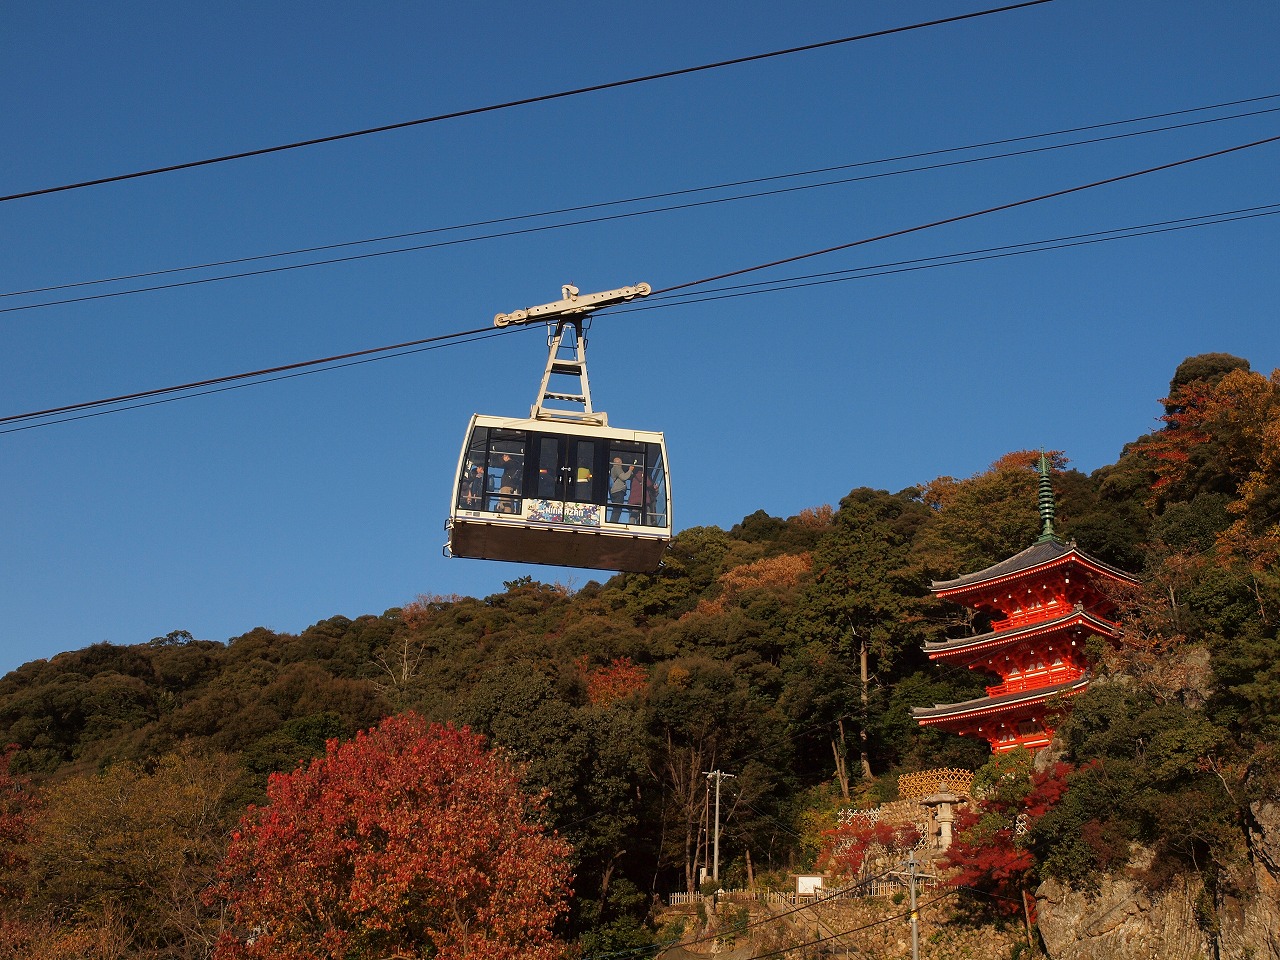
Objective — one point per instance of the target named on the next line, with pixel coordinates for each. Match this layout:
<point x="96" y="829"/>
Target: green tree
<point x="1146" y="774"/>
<point x="863" y="598"/>
<point x="136" y="846"/>
<point x="985" y="518"/>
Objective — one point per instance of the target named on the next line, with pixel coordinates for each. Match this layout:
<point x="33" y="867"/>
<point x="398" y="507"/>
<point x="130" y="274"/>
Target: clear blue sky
<point x="284" y="504"/>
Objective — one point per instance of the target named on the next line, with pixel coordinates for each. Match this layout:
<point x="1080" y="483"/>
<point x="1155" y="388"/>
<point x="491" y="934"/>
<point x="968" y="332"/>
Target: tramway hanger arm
<point x="564" y="381"/>
<point x="572" y="304"/>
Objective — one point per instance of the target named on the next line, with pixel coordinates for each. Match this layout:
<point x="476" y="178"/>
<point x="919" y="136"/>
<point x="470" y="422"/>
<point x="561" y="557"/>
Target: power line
<point x="125" y="398"/>
<point x="613" y="203"/>
<point x="214" y="381"/>
<point x="488" y="334"/>
<point x="947" y="260"/>
<point x="525" y="101"/>
<point x="723" y="293"/>
<point x="844" y="933"/>
<point x="969" y="216"/>
<point x="775" y="917"/>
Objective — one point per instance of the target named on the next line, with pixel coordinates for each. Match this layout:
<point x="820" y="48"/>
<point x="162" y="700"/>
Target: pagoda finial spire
<point x="1047" y="509"/>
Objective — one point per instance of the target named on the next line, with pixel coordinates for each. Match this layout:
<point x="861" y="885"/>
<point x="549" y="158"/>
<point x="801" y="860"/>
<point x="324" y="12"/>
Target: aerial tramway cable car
<point x="562" y="487"/>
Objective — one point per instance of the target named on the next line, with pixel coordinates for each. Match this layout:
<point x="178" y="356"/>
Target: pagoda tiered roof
<point x="1041" y="557"/>
<point x="1041" y="603"/>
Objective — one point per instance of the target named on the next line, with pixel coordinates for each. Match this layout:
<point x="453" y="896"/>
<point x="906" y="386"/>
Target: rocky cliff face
<point x="1121" y="920"/>
<point x="1250" y="925"/>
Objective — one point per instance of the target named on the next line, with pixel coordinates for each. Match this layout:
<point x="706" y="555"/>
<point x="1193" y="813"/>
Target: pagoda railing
<point x="1032" y="741"/>
<point x="1022" y="618"/>
<point x="1035" y="680"/>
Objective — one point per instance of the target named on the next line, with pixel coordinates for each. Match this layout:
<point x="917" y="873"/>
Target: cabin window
<point x="493" y="471"/>
<point x="566" y="468"/>
<point x="656" y="511"/>
<point x="506" y="470"/>
<point x="582" y="463"/>
<point x="625" y="477"/>
<point x="474" y="487"/>
<point x="625" y="487"/>
<point x="550" y="474"/>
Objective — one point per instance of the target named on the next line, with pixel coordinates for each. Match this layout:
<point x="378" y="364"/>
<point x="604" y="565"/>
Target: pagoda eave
<point x="944" y="713"/>
<point x="1000" y="639"/>
<point x="1039" y="607"/>
<point x="1032" y="563"/>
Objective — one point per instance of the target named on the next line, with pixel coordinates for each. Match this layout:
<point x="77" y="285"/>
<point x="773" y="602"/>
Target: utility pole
<point x="715" y="858"/>
<point x="911" y="865"/>
<point x="915" y="914"/>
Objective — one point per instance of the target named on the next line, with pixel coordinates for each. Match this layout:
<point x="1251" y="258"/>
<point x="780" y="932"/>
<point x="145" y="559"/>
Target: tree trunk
<point x="865" y="677"/>
<point x="842" y="766"/>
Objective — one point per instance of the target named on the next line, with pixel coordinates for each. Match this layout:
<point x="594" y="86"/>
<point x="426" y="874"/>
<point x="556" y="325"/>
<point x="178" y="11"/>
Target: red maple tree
<point x="851" y="848"/>
<point x="989" y="854"/>
<point x="17" y="808"/>
<point x="412" y="840"/>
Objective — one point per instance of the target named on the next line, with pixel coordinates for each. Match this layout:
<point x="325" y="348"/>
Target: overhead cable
<point x="946" y="260"/>
<point x="661" y="291"/>
<point x="599" y="205"/>
<point x="969" y="216"/>
<point x="773" y="918"/>
<point x="144" y="394"/>
<point x="525" y="101"/>
<point x="755" y="288"/>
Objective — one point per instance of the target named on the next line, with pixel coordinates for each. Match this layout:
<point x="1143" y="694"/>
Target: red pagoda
<point x="1044" y="603"/>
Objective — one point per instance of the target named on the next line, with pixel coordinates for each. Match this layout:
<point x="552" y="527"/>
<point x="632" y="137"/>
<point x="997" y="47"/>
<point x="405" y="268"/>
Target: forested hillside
<point x="745" y="653"/>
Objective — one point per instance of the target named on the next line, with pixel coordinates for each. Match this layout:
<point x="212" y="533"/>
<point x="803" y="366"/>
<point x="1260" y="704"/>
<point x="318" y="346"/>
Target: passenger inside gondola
<point x="473" y="486"/>
<point x="509" y="483"/>
<point x="619" y="477"/>
<point x="635" y="497"/>
<point x="656" y="512"/>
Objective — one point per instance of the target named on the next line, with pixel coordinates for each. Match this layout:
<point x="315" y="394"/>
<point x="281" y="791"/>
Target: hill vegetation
<point x="786" y="652"/>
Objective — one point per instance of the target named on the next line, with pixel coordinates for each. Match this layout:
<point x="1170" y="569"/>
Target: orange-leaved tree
<point x="412" y="840"/>
<point x="616" y="681"/>
<point x="17" y="805"/>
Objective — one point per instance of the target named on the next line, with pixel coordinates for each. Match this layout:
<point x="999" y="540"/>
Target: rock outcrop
<point x="1122" y="920"/>
<point x="1249" y="925"/>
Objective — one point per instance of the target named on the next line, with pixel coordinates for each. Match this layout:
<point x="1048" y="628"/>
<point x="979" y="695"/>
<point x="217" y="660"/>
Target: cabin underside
<point x="559" y="546"/>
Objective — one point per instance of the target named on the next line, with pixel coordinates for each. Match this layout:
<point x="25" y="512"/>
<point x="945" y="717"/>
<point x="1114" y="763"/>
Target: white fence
<point x="873" y="888"/>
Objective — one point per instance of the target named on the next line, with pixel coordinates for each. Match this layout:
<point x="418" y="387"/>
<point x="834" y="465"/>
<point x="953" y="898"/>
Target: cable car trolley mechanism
<point x="562" y="487"/>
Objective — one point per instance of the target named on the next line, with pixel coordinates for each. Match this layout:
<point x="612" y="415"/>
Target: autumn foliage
<point x="852" y="848"/>
<point x="412" y="840"/>
<point x="775" y="576"/>
<point x="744" y="653"/>
<point x="616" y="681"/>
<point x="990" y="852"/>
<point x="16" y="808"/>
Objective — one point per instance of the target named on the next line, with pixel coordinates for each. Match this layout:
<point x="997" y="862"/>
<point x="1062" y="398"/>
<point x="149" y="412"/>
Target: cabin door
<point x="566" y="475"/>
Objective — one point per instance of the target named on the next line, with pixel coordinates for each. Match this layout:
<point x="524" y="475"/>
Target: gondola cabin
<point x="562" y="487"/>
<point x="560" y="493"/>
